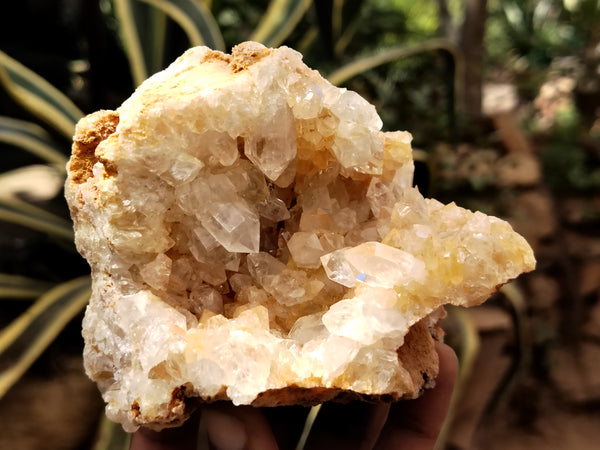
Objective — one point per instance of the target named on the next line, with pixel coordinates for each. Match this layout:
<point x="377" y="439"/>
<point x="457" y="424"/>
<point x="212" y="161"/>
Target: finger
<point x="416" y="424"/>
<point x="237" y="428"/>
<point x="181" y="438"/>
<point x="351" y="426"/>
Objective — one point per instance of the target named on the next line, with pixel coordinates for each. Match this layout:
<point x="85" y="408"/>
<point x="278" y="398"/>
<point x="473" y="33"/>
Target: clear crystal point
<point x="373" y="264"/>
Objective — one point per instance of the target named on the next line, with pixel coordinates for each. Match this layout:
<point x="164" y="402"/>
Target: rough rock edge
<point x="417" y="355"/>
<point x="89" y="133"/>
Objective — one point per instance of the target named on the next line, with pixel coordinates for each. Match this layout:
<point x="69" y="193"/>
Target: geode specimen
<point x="254" y="236"/>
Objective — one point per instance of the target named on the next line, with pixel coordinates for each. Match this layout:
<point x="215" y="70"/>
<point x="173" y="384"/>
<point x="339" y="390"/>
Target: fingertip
<point x="229" y="426"/>
<point x="225" y="431"/>
<point x="416" y="424"/>
<point x="180" y="438"/>
<point x="448" y="364"/>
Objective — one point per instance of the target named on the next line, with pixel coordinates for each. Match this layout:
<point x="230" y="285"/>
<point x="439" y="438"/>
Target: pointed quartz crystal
<point x="261" y="265"/>
<point x="235" y="226"/>
<point x="306" y="249"/>
<point x="273" y="147"/>
<point x="373" y="264"/>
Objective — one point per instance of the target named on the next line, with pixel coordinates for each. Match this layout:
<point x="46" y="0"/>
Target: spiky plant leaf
<point x="195" y="18"/>
<point x="279" y="21"/>
<point x="124" y="11"/>
<point x="515" y="299"/>
<point x="36" y="182"/>
<point x="22" y="213"/>
<point x="307" y="40"/>
<point x="111" y="436"/>
<point x="38" y="96"/>
<point x="361" y="65"/>
<point x="308" y="424"/>
<point x="150" y="29"/>
<point x="33" y="139"/>
<point x="337" y="18"/>
<point x="30" y="334"/>
<point x="19" y="287"/>
<point x="154" y="47"/>
<point x="468" y="345"/>
<point x="348" y="30"/>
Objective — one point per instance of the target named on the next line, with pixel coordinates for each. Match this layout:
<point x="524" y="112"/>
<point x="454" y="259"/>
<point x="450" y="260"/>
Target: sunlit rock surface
<point x="251" y="229"/>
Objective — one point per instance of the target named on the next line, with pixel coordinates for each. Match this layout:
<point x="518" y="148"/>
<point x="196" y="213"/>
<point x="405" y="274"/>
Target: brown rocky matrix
<point x="254" y="236"/>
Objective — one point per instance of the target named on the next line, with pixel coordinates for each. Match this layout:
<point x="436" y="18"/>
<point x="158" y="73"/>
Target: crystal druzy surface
<point x="250" y="228"/>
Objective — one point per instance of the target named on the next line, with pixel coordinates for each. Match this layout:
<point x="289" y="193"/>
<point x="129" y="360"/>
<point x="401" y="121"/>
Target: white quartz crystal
<point x="250" y="228"/>
<point x="373" y="264"/>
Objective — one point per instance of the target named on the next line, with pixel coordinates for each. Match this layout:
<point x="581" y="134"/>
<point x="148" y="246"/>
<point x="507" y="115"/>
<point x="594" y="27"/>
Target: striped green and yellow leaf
<point x="38" y="96"/>
<point x="195" y="18"/>
<point x="142" y="26"/>
<point x="363" y="64"/>
<point x="18" y="287"/>
<point x="24" y="340"/>
<point x="22" y="213"/>
<point x="308" y="424"/>
<point x="279" y="21"/>
<point x="143" y="32"/>
<point x="33" y="139"/>
<point x="33" y="183"/>
<point x="129" y="29"/>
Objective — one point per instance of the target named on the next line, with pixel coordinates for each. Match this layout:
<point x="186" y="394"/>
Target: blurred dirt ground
<point x="535" y="383"/>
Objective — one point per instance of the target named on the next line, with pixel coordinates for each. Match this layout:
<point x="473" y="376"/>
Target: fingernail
<point x="225" y="432"/>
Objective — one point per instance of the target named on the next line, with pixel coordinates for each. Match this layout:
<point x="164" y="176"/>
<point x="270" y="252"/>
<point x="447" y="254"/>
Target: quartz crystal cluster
<point x="251" y="230"/>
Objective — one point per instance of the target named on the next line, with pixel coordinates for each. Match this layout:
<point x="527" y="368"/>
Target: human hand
<point x="408" y="424"/>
